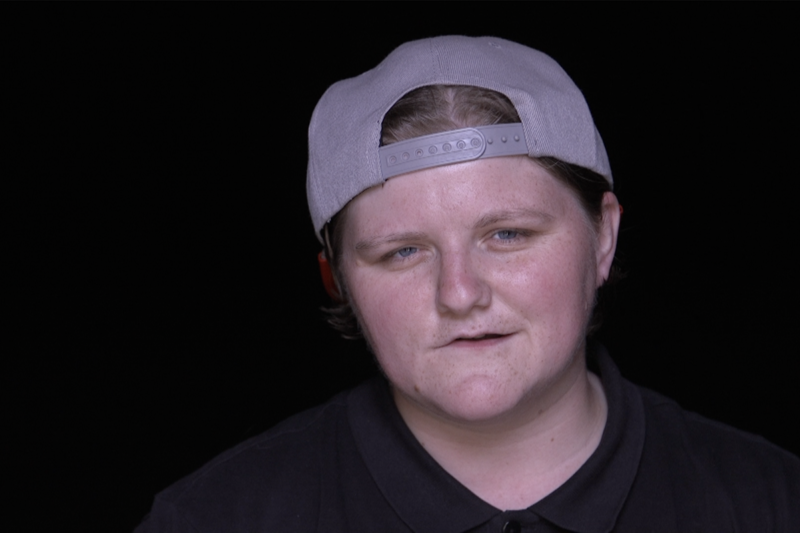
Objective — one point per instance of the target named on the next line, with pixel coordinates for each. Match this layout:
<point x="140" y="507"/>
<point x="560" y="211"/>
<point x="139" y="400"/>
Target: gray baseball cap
<point x="345" y="157"/>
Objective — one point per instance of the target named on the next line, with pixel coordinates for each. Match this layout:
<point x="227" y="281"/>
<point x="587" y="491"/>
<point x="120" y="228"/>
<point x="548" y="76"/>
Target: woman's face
<point x="474" y="284"/>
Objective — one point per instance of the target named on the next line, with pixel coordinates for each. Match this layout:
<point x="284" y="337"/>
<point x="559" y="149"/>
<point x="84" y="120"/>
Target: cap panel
<point x="344" y="134"/>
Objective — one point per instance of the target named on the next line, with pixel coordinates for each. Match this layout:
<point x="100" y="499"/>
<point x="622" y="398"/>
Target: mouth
<point x="481" y="337"/>
<point x="479" y="340"/>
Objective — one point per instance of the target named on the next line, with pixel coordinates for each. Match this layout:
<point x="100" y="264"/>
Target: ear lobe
<point x="607" y="236"/>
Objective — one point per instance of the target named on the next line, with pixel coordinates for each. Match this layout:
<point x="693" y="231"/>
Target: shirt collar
<point x="422" y="493"/>
<point x="590" y="501"/>
<point x="427" y="498"/>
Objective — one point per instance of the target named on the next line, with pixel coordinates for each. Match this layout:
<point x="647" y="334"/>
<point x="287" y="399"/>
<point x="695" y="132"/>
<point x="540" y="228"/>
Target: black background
<point x="170" y="286"/>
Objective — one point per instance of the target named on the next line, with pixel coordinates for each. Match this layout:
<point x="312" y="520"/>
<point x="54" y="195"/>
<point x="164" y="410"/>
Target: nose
<point x="461" y="286"/>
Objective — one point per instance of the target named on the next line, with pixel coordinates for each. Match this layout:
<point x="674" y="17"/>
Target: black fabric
<point x="353" y="465"/>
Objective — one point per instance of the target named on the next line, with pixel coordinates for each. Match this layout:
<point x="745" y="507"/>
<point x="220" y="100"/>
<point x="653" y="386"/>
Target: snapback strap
<point x="452" y="147"/>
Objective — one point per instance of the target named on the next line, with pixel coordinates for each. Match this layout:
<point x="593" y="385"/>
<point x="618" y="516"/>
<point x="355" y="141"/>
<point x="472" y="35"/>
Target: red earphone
<point x="327" y="278"/>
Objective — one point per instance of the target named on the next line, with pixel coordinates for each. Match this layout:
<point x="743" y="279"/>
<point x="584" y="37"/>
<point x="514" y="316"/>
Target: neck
<point x="515" y="460"/>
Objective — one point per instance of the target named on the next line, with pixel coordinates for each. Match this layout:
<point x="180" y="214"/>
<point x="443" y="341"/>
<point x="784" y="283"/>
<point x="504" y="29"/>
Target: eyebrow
<point x="369" y="244"/>
<point x="486" y="220"/>
<point x="511" y="214"/>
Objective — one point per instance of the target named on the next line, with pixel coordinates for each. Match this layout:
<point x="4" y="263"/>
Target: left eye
<point x="507" y="234"/>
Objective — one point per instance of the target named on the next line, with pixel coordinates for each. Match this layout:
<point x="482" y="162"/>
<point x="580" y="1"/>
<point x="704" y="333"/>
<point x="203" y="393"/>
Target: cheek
<point x="553" y="286"/>
<point x="390" y="330"/>
<point x="388" y="310"/>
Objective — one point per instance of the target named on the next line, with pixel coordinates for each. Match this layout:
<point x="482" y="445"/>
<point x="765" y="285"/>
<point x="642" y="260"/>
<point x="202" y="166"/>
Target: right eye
<point x="406" y="252"/>
<point x="507" y="234"/>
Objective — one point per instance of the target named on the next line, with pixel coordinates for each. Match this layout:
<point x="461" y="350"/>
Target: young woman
<point x="464" y="200"/>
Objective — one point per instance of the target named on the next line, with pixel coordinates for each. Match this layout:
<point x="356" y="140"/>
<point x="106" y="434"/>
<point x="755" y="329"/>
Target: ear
<point x="328" y="279"/>
<point x="607" y="236"/>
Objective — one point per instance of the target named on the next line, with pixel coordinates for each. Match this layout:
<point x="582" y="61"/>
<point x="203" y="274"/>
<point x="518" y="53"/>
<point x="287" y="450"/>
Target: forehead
<point x="465" y="194"/>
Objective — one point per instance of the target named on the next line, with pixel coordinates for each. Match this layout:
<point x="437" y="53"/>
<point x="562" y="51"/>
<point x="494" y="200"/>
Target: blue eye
<point x="407" y="251"/>
<point x="507" y="234"/>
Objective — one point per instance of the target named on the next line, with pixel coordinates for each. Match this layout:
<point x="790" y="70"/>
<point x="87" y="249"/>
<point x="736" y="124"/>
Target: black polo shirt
<point x="352" y="465"/>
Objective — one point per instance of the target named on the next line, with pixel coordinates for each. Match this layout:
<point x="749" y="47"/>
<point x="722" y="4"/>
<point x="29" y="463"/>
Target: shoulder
<point x="725" y="471"/>
<point x="697" y="433"/>
<point x="275" y="471"/>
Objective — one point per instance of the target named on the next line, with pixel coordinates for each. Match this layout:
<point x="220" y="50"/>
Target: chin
<point x="480" y="400"/>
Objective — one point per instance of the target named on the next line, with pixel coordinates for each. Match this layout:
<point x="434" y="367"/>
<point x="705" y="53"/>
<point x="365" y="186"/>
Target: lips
<point x="483" y="339"/>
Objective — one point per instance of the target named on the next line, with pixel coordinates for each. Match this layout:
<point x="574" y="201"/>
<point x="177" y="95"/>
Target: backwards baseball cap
<point x="345" y="157"/>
